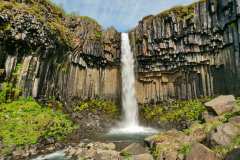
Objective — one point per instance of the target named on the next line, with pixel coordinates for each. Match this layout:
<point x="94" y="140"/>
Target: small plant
<point x="185" y="149"/>
<point x="95" y="105"/>
<point x="190" y="110"/>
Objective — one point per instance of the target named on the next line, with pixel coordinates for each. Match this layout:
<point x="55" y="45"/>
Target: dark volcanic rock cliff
<point x="182" y="53"/>
<point x="48" y="54"/>
<point x="188" y="52"/>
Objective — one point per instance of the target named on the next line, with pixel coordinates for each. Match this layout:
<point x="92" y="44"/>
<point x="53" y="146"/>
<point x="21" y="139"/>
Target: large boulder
<point x="201" y="152"/>
<point x="224" y="134"/>
<point x="166" y="145"/>
<point x="97" y="150"/>
<point x="233" y="155"/>
<point x="134" y="149"/>
<point x="221" y="104"/>
<point x="145" y="156"/>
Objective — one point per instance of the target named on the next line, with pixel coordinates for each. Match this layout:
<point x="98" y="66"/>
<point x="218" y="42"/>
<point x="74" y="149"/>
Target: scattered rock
<point x="221" y="104"/>
<point x="201" y="152"/>
<point x="233" y="155"/>
<point x="224" y="134"/>
<point x="167" y="144"/>
<point x="134" y="149"/>
<point x="97" y="150"/>
<point x="145" y="156"/>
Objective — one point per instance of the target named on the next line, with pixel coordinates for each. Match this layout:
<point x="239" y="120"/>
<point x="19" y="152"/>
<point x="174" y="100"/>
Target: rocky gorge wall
<point x="188" y="52"/>
<point x="182" y="53"/>
<point x="48" y="54"/>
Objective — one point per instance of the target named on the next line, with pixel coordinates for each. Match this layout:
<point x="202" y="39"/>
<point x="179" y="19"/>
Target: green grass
<point x="24" y="121"/>
<point x="190" y="110"/>
<point x="98" y="105"/>
<point x="55" y="21"/>
<point x="185" y="149"/>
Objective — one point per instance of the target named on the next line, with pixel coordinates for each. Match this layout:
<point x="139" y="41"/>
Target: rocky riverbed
<point x="215" y="138"/>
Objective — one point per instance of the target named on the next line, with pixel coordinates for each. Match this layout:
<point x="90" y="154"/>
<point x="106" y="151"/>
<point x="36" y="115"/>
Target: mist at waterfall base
<point x="130" y="123"/>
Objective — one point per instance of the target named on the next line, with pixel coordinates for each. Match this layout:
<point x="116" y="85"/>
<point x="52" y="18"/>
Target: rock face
<point x="188" y="52"/>
<point x="48" y="65"/>
<point x="182" y="53"/>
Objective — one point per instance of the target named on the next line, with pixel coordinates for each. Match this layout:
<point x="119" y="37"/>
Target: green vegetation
<point x="48" y="13"/>
<point x="223" y="150"/>
<point x="182" y="12"/>
<point x="98" y="34"/>
<point x="24" y="121"/>
<point x="98" y="105"/>
<point x="185" y="149"/>
<point x="9" y="93"/>
<point x="180" y="110"/>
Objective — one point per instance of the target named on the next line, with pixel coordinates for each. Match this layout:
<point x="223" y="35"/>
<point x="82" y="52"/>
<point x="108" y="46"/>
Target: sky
<point x="122" y="14"/>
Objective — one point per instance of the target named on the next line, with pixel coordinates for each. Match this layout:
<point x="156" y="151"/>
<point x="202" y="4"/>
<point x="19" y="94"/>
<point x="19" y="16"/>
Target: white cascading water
<point x="130" y="123"/>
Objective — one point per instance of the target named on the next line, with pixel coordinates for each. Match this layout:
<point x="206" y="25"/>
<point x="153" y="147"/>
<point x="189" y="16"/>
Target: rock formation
<point x="182" y="53"/>
<point x="188" y="52"/>
<point x="66" y="57"/>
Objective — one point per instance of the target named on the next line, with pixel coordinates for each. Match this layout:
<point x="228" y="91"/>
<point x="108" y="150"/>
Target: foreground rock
<point x="201" y="152"/>
<point x="166" y="145"/>
<point x="221" y="104"/>
<point x="225" y="133"/>
<point x="99" y="151"/>
<point x="233" y="155"/>
<point x="107" y="151"/>
<point x="134" y="149"/>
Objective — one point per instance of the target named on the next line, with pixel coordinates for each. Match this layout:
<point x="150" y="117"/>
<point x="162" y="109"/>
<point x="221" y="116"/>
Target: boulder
<point x="224" y="134"/>
<point x="221" y="104"/>
<point x="145" y="156"/>
<point x="134" y="149"/>
<point x="233" y="155"/>
<point x="168" y="144"/>
<point x="201" y="152"/>
<point x="96" y="150"/>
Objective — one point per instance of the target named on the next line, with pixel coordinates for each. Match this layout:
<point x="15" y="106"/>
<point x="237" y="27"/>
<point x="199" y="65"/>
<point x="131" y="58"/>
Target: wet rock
<point x="199" y="151"/>
<point x="221" y="104"/>
<point x="96" y="150"/>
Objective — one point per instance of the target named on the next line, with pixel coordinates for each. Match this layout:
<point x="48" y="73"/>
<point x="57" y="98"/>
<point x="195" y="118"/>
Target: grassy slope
<point x="24" y="121"/>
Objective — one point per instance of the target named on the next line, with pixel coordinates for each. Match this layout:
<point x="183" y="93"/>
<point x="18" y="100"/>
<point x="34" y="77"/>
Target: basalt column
<point x="188" y="52"/>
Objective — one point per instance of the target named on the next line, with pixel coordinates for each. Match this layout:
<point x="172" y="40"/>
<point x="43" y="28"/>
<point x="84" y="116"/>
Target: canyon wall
<point x="188" y="52"/>
<point x="182" y="53"/>
<point x="64" y="57"/>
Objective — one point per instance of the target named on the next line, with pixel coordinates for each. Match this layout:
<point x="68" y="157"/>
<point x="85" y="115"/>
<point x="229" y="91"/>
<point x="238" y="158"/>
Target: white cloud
<point x="123" y="14"/>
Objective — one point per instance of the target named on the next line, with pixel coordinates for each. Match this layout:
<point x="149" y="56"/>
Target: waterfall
<point x="130" y="122"/>
<point x="129" y="101"/>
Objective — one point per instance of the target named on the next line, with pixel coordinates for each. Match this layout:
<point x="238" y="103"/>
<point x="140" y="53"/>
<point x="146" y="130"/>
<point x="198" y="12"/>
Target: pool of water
<point x="59" y="155"/>
<point x="120" y="140"/>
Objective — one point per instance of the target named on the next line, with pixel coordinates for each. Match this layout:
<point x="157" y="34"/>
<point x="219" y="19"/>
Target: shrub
<point x="24" y="121"/>
<point x="190" y="110"/>
<point x="98" y="105"/>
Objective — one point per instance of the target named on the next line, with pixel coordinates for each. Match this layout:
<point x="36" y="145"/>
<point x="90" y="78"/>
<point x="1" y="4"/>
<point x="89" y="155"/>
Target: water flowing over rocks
<point x="188" y="52"/>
